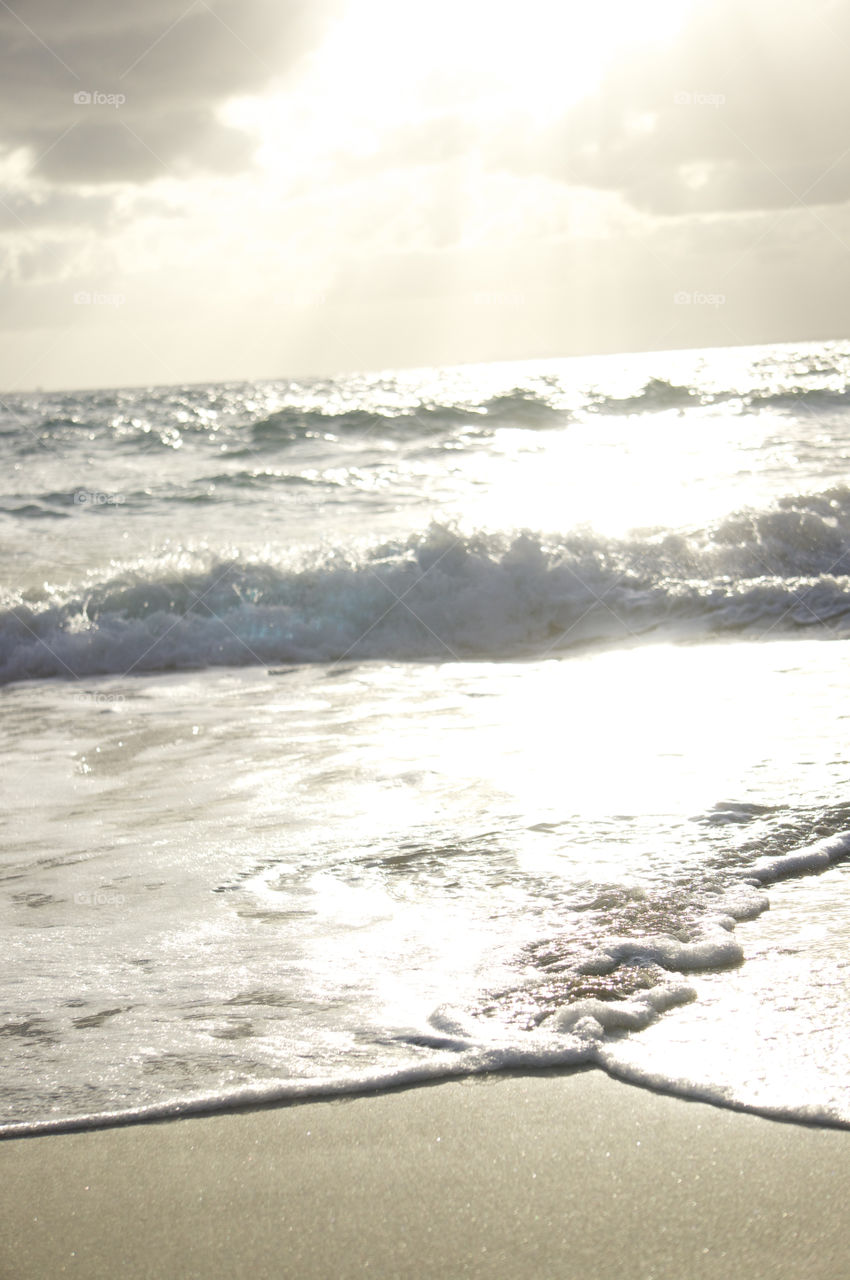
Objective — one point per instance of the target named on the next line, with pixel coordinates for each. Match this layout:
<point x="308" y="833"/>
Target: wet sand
<point x="523" y="1176"/>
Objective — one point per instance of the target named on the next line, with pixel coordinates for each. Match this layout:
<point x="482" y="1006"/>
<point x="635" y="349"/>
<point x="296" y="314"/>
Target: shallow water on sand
<point x="237" y="880"/>
<point x="406" y="725"/>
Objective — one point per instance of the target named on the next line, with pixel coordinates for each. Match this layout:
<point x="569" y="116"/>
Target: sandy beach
<point x="532" y="1176"/>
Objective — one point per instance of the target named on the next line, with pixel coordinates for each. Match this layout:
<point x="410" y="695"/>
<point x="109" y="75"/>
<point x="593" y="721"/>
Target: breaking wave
<point x="446" y="595"/>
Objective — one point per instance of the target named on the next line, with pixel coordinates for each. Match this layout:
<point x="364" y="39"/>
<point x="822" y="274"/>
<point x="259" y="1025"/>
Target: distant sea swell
<point x="227" y="415"/>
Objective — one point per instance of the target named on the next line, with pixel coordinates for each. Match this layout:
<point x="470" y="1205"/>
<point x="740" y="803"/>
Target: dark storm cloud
<point x="747" y="110"/>
<point x="99" y="91"/>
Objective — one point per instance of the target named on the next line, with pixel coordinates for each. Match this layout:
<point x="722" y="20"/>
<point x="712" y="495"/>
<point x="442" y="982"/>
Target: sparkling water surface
<point x="392" y="727"/>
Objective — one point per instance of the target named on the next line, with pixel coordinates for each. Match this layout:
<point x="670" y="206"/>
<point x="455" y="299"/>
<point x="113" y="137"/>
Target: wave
<point x="222" y="486"/>
<point x="171" y="420"/>
<point x="796" y="398"/>
<point x="585" y="1031"/>
<point x="516" y="408"/>
<point x="36" y="510"/>
<point x="166" y="419"/>
<point x="251" y="480"/>
<point x="659" y="396"/>
<point x="656" y="396"/>
<point x="446" y="595"/>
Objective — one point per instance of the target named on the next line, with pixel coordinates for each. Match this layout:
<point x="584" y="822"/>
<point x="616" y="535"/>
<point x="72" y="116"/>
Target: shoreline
<point x="537" y="1175"/>
<point x="200" y="1109"/>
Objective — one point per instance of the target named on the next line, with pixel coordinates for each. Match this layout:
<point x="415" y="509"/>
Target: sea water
<point x="399" y="726"/>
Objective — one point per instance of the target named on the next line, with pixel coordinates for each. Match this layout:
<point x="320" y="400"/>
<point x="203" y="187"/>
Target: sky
<point x="237" y="189"/>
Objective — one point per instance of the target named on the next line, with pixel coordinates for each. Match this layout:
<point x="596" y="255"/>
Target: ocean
<point x="400" y="726"/>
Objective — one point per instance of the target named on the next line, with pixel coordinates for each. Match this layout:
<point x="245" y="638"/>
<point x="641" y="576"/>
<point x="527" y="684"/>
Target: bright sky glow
<point x="388" y="67"/>
<point x="406" y="185"/>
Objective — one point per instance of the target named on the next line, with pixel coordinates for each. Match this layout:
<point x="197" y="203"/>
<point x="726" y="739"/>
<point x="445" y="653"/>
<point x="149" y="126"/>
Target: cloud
<point x="746" y="111"/>
<point x="55" y="209"/>
<point x="99" y="92"/>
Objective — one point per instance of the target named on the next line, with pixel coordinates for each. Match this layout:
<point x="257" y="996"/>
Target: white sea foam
<point x="441" y="594"/>
<point x="813" y="858"/>
<point x="226" y="890"/>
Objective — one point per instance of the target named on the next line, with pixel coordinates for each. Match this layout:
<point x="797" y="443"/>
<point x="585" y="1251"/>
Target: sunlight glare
<point x="387" y="69"/>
